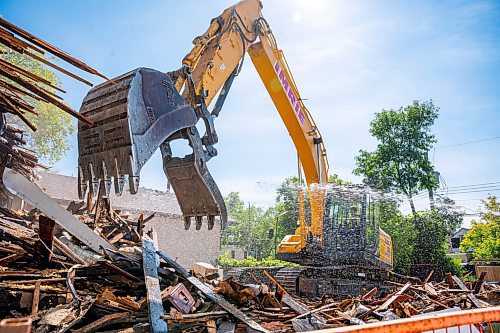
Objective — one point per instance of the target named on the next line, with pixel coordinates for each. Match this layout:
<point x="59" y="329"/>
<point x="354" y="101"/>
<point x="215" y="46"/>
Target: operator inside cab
<point x="354" y="218"/>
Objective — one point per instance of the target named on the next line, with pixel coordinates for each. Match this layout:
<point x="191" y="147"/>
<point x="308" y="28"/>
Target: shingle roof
<point x="62" y="187"/>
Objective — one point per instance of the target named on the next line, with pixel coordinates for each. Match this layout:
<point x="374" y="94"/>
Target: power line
<point x="469" y="142"/>
<point x="464" y="192"/>
<point x="474" y="185"/>
<point x="484" y="187"/>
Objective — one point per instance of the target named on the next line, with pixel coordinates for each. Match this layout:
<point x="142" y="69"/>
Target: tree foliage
<point x="403" y="234"/>
<point x="425" y="242"/>
<point x="431" y="245"/>
<point x="54" y="126"/>
<point x="262" y="225"/>
<point x="225" y="261"/>
<point x="400" y="162"/>
<point x="484" y="237"/>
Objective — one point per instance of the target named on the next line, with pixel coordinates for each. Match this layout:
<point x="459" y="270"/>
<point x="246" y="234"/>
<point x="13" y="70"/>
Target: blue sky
<point x="349" y="59"/>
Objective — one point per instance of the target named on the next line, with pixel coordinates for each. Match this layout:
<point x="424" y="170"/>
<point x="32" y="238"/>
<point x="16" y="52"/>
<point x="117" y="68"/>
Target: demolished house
<point x="109" y="266"/>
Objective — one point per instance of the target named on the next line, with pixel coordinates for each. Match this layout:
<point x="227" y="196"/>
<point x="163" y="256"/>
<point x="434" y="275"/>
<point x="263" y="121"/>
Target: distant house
<point x="456" y="238"/>
<point x="188" y="246"/>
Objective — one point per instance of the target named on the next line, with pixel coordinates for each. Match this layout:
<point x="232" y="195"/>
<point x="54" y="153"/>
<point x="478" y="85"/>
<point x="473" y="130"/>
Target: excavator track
<point x="336" y="281"/>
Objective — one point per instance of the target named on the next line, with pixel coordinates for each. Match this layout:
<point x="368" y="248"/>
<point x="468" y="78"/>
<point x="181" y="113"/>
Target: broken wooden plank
<point x="449" y="280"/>
<point x="470" y="296"/>
<point x="36" y="300"/>
<point x="370" y="293"/>
<point x="201" y="316"/>
<point x="105" y="321"/>
<point x="209" y="293"/>
<point x="324" y="307"/>
<point x="430" y="290"/>
<point x="32" y="194"/>
<point x="288" y="300"/>
<point x="428" y="277"/>
<point x="479" y="283"/>
<point x="68" y="252"/>
<point x="150" y="266"/>
<point x="44" y="246"/>
<point x="112" y="267"/>
<point x="387" y="303"/>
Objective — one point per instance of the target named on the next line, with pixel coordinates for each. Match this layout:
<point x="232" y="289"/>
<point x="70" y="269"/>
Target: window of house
<point x="233" y="255"/>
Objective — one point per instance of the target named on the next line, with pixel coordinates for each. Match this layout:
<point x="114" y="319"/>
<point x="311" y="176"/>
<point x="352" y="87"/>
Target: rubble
<point x="46" y="275"/>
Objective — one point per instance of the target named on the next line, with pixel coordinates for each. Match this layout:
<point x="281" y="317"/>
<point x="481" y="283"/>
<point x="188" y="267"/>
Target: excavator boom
<point x="144" y="110"/>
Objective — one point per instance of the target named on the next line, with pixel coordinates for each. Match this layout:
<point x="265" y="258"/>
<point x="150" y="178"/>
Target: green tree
<point x="432" y="241"/>
<point x="484" y="236"/>
<point x="425" y="244"/>
<point x="400" y="162"/>
<point x="54" y="126"/>
<point x="262" y="224"/>
<point x="403" y="234"/>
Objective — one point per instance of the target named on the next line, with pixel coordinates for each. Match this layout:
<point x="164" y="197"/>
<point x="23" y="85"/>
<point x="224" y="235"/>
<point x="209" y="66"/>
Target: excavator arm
<point x="153" y="109"/>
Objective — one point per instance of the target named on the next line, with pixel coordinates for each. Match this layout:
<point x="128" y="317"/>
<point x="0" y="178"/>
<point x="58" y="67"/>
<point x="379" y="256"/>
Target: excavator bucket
<point x="133" y="116"/>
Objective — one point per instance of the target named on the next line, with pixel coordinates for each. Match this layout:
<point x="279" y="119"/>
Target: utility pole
<point x="275" y="234"/>
<point x="249" y="236"/>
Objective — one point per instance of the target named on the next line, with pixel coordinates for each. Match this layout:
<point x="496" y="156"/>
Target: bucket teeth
<point x="211" y="222"/>
<point x="187" y="222"/>
<point x="118" y="179"/>
<point x="194" y="187"/>
<point x="199" y="221"/>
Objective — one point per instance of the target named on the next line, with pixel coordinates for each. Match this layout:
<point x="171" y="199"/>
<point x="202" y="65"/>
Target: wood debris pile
<point x="64" y="286"/>
<point x="21" y="89"/>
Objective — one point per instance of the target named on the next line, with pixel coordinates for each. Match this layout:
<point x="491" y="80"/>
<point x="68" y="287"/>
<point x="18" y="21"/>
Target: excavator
<point x="341" y="249"/>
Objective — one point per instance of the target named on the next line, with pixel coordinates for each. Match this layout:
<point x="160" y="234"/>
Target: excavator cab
<point x="134" y="115"/>
<point x="351" y="232"/>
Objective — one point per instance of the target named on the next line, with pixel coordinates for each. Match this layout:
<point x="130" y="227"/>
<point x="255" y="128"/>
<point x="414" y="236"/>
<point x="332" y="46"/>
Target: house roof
<point x="460" y="232"/>
<point x="62" y="187"/>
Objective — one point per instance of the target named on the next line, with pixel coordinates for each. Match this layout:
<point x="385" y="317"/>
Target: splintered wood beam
<point x="36" y="300"/>
<point x="48" y="47"/>
<point x="68" y="252"/>
<point x="42" y="93"/>
<point x="13" y="88"/>
<point x="472" y="298"/>
<point x="13" y="109"/>
<point x="29" y="75"/>
<point x="479" y="283"/>
<point x="32" y="194"/>
<point x="387" y="303"/>
<point x="60" y="69"/>
<point x="150" y="263"/>
<point x="44" y="246"/>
